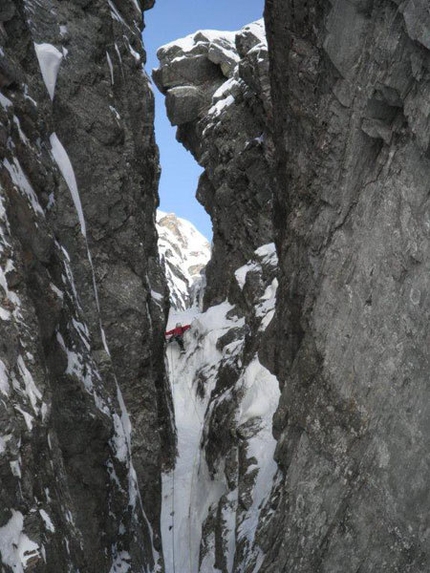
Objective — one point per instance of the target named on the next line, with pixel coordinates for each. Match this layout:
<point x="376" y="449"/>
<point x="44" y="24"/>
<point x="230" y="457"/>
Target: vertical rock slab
<point x="350" y="92"/>
<point x="81" y="332"/>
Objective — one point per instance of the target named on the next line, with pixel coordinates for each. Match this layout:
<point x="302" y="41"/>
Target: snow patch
<point x="5" y="102"/>
<point x="109" y="61"/>
<point x="65" y="166"/>
<point x="47" y="521"/>
<point x="31" y="389"/>
<point x="17" y="550"/>
<point x="4" y="379"/>
<point x="20" y="180"/>
<point x="49" y="61"/>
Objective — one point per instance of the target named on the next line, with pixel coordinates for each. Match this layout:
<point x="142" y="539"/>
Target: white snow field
<point x="189" y="492"/>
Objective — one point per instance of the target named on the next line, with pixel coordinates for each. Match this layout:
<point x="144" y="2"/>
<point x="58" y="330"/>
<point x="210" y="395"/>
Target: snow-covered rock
<point x="224" y="400"/>
<point x="217" y="91"/>
<point x="184" y="253"/>
<point x="81" y="355"/>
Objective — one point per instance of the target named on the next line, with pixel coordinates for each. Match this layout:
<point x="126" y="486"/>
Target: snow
<point x="185" y="252"/>
<point x="29" y="98"/>
<point x="115" y="14"/>
<point x="188" y="43"/>
<point x="15" y="468"/>
<point x="197" y="490"/>
<point x="65" y="166"/>
<point x="266" y="308"/>
<point x="258" y="29"/>
<point x="190" y="493"/>
<point x="20" y="180"/>
<point x="121" y="563"/>
<point x="31" y="389"/>
<point x="115" y="112"/>
<point x="49" y="61"/>
<point x="260" y="401"/>
<point x="266" y="255"/>
<point x="15" y="547"/>
<point x="225" y="89"/>
<point x="135" y="54"/>
<point x="138" y="8"/>
<point x="4" y="101"/>
<point x="22" y="135"/>
<point x="220" y="105"/>
<point x="27" y="418"/>
<point x="4" y="379"/>
<point x="109" y="61"/>
<point x="47" y="521"/>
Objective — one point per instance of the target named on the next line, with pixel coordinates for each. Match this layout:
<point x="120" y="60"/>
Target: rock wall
<point x="350" y="91"/>
<point x="349" y="166"/>
<point x="82" y="336"/>
<point x="217" y="93"/>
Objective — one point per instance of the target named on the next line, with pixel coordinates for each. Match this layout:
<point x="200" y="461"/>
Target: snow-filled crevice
<point x="200" y="490"/>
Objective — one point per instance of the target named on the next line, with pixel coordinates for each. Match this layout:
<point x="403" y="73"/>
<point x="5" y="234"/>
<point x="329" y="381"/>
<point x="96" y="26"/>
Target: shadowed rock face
<point x="217" y="92"/>
<point x="350" y="91"/>
<point x="66" y="477"/>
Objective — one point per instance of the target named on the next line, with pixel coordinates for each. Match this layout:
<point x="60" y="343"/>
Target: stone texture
<point x="350" y="85"/>
<point x="64" y="443"/>
<point x="229" y="138"/>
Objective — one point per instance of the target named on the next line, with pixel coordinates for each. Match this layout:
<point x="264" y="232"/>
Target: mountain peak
<point x="184" y="253"/>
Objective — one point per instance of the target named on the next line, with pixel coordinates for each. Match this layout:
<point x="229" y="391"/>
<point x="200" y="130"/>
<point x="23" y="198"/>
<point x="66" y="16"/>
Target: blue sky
<point x="167" y="21"/>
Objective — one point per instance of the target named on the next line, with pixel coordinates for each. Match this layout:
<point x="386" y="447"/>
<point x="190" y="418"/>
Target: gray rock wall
<point x="67" y="479"/>
<point x="350" y="90"/>
<point x="217" y="93"/>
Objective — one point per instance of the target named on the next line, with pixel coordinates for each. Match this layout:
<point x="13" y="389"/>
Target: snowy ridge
<point x="208" y="483"/>
<point x="184" y="252"/>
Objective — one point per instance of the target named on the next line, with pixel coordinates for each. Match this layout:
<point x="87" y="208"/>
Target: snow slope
<point x="206" y="487"/>
<point x="184" y="253"/>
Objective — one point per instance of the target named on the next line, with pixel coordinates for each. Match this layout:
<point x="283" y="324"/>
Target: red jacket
<point x="178" y="330"/>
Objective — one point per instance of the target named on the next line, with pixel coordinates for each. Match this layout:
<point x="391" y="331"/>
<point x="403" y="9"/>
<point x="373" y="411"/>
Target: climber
<point x="177" y="334"/>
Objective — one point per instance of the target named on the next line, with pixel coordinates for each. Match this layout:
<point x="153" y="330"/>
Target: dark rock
<point x="224" y="131"/>
<point x="75" y="285"/>
<point x="351" y="170"/>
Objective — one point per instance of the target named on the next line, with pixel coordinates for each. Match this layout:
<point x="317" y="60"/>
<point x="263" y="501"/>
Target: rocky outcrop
<point x="350" y="122"/>
<point x="184" y="254"/>
<point x="350" y="89"/>
<point x="224" y="402"/>
<point x="217" y="92"/>
<point x="82" y="336"/>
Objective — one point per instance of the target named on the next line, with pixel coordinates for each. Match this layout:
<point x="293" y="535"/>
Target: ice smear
<point x="109" y="61"/>
<point x="115" y="14"/>
<point x="47" y="521"/>
<point x="15" y="547"/>
<point x="49" y="61"/>
<point x="27" y="418"/>
<point x="4" y="379"/>
<point x="135" y="54"/>
<point x="65" y="166"/>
